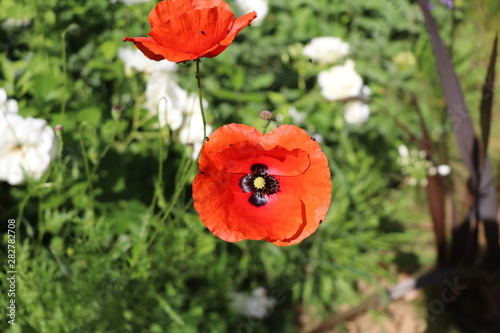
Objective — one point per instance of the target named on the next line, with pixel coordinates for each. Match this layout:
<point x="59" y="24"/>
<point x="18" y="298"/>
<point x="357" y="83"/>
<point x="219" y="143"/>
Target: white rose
<point x="191" y="132"/>
<point x="326" y="50"/>
<point x="137" y="60"/>
<point x="166" y="99"/>
<point x="193" y="104"/>
<point x="340" y="82"/>
<point x="356" y="112"/>
<point x="27" y="146"/>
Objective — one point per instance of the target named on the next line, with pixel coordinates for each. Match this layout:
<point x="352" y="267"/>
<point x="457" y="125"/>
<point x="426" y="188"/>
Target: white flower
<point x="365" y="92"/>
<point x="259" y="6"/>
<point x="297" y="117"/>
<point x="414" y="164"/>
<point x="27" y="146"/>
<point x="10" y="22"/>
<point x="193" y="104"/>
<point x="191" y="132"/>
<point x="326" y="50"/>
<point x="137" y="60"/>
<point x="443" y="169"/>
<point x="166" y="99"/>
<point x="7" y="105"/>
<point x="256" y="305"/>
<point x="356" y="112"/>
<point x="404" y="153"/>
<point x="340" y="82"/>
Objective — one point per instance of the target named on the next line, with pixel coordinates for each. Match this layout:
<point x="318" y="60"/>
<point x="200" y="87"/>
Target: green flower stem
<point x="200" y="94"/>
<point x="62" y="112"/>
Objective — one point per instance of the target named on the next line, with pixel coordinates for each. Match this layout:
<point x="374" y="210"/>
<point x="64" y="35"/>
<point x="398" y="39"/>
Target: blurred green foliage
<point x="102" y="245"/>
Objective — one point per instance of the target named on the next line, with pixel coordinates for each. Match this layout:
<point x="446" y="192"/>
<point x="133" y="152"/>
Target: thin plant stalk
<point x="200" y="94"/>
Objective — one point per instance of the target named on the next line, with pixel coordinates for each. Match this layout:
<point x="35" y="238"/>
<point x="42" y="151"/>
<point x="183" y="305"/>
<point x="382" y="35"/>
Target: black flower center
<point x="260" y="183"/>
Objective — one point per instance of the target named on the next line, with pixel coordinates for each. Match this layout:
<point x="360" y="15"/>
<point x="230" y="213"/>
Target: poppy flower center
<point x="260" y="183"/>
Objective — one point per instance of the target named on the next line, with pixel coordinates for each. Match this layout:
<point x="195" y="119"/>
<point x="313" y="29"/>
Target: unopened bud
<point x="116" y="112"/>
<point x="266" y="115"/>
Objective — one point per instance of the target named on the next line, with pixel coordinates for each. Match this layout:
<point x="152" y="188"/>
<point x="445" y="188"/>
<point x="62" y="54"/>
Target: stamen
<point x="260" y="184"/>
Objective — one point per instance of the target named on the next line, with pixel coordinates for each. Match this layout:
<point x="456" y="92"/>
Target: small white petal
<point x="356" y="112"/>
<point x="444" y="170"/>
<point x="403" y="151"/>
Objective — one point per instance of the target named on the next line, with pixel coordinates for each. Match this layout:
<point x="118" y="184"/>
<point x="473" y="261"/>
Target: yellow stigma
<point x="259" y="183"/>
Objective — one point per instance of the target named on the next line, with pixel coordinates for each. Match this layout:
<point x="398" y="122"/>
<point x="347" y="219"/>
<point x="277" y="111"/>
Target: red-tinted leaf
<point x="487" y="99"/>
<point x="435" y="200"/>
<point x="457" y="109"/>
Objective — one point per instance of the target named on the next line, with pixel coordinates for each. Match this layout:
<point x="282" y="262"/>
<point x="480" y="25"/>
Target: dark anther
<point x="313" y="138"/>
<point x="206" y="138"/>
<point x="310" y="60"/>
<point x="258" y="170"/>
<point x="257" y="199"/>
<point x="203" y="32"/>
<point x="246" y="183"/>
<point x="320" y="221"/>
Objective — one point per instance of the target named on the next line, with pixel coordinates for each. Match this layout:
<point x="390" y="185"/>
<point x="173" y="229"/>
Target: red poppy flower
<point x="183" y="30"/>
<point x="274" y="187"/>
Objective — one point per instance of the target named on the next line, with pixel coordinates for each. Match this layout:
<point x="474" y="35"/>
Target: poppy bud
<point x="266" y="115"/>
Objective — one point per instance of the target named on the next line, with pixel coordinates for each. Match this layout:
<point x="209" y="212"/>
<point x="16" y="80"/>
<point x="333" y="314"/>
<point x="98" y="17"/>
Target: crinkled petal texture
<point x="183" y="30"/>
<point x="293" y="158"/>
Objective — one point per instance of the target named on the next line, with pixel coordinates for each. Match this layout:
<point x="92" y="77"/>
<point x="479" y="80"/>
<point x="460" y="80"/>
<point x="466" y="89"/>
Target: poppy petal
<point x="167" y="10"/>
<point x="193" y="32"/>
<point x="185" y="30"/>
<point x="284" y="214"/>
<point x="230" y="216"/>
<point x="238" y="158"/>
<point x="239" y="24"/>
<point x="235" y="147"/>
<point x="148" y="46"/>
<point x="225" y="136"/>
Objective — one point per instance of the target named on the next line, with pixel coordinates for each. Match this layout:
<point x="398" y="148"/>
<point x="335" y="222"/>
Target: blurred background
<point x="107" y="239"/>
